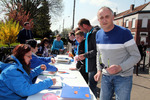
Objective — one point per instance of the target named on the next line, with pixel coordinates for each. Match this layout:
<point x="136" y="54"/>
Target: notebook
<point x="58" y="81"/>
<point x="47" y="73"/>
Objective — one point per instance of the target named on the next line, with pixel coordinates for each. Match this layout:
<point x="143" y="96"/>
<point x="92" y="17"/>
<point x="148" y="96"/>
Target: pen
<point x="81" y="62"/>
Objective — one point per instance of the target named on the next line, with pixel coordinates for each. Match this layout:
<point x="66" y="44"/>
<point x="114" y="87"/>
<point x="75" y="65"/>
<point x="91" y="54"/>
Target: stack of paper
<point x="63" y="59"/>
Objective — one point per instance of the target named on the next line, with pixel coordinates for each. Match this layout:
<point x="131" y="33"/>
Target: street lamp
<point x="73" y="14"/>
<point x="64" y="23"/>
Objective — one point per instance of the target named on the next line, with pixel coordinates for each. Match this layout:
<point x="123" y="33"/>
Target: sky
<point x="88" y="9"/>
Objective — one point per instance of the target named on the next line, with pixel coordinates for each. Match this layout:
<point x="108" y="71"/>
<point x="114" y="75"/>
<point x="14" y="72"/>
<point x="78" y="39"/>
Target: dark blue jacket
<point x="24" y="35"/>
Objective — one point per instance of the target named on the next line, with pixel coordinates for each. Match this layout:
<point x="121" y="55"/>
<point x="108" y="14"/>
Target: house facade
<point x="137" y="20"/>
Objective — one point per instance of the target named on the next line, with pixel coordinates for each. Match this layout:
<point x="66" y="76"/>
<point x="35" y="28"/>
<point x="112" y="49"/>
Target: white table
<point x="74" y="78"/>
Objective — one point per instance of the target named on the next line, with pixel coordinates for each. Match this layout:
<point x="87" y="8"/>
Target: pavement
<point x="141" y="83"/>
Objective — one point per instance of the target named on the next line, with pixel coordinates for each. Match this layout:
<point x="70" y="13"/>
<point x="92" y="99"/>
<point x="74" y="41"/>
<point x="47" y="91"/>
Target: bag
<point x="7" y="62"/>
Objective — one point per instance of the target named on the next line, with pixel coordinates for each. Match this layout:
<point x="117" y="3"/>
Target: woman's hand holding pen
<point x="53" y="60"/>
<point x="43" y="67"/>
<point x="54" y="81"/>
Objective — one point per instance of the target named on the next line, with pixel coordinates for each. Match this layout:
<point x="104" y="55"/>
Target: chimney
<point x="114" y="14"/>
<point x="132" y="7"/>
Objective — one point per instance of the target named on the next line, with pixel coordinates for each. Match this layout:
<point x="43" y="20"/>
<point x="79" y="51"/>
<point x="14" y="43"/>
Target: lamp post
<point x="73" y="14"/>
<point x="64" y="24"/>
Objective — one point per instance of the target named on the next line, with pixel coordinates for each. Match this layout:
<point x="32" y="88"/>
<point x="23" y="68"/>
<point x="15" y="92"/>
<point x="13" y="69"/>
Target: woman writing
<point x="16" y="77"/>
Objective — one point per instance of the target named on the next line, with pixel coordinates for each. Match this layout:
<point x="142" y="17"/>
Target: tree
<point x="42" y="26"/>
<point x="31" y="6"/>
<point x="55" y="8"/>
<point x="19" y="15"/>
<point x="65" y="32"/>
<point x="55" y="32"/>
<point x="9" y="31"/>
<point x="34" y="6"/>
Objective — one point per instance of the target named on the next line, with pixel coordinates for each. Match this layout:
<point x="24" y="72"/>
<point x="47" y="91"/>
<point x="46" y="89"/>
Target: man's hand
<point x="61" y="50"/>
<point x="72" y="68"/>
<point x="97" y="76"/>
<point x="53" y="60"/>
<point x="43" y="67"/>
<point x="76" y="58"/>
<point x="81" y="57"/>
<point x="114" y="69"/>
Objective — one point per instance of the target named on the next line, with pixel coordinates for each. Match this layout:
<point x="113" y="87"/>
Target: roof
<point x="128" y="12"/>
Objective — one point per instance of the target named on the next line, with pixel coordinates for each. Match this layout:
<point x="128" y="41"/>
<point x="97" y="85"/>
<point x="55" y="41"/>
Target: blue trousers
<point x="119" y="85"/>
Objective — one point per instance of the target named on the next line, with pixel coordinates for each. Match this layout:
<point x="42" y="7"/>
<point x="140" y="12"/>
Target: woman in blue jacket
<point x="37" y="60"/>
<point x="16" y="77"/>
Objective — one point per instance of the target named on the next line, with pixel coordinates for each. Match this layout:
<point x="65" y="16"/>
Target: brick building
<point x="137" y="20"/>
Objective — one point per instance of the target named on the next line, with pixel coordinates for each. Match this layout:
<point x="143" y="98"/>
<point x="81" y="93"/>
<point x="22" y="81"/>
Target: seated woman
<point x="43" y="48"/>
<point x="36" y="60"/>
<point x="16" y="77"/>
<point x="58" y="45"/>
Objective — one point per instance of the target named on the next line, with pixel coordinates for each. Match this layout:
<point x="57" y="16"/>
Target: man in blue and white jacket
<point x="117" y="53"/>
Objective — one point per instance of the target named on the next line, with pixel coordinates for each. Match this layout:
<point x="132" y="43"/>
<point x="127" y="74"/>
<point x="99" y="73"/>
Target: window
<point x="144" y="22"/>
<point x="133" y="23"/>
<point x="127" y="23"/>
<point x="143" y="36"/>
<point x="143" y="33"/>
<point x="133" y="34"/>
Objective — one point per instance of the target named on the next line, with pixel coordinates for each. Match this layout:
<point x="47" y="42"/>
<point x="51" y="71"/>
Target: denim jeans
<point x="92" y="83"/>
<point x="119" y="85"/>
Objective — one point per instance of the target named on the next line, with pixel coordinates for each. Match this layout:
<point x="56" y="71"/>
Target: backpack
<point x="7" y="62"/>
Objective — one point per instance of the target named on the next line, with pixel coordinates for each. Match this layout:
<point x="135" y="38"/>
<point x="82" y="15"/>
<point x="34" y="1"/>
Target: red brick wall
<point x="138" y="28"/>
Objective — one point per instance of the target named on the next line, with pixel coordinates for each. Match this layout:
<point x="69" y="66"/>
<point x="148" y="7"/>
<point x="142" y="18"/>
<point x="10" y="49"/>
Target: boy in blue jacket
<point x="36" y="60"/>
<point x="58" y="45"/>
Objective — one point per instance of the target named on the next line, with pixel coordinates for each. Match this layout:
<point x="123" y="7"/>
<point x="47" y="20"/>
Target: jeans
<point x="92" y="83"/>
<point x="120" y="85"/>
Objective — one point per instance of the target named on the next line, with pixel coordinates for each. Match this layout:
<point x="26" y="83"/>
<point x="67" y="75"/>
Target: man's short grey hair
<point x="107" y="8"/>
